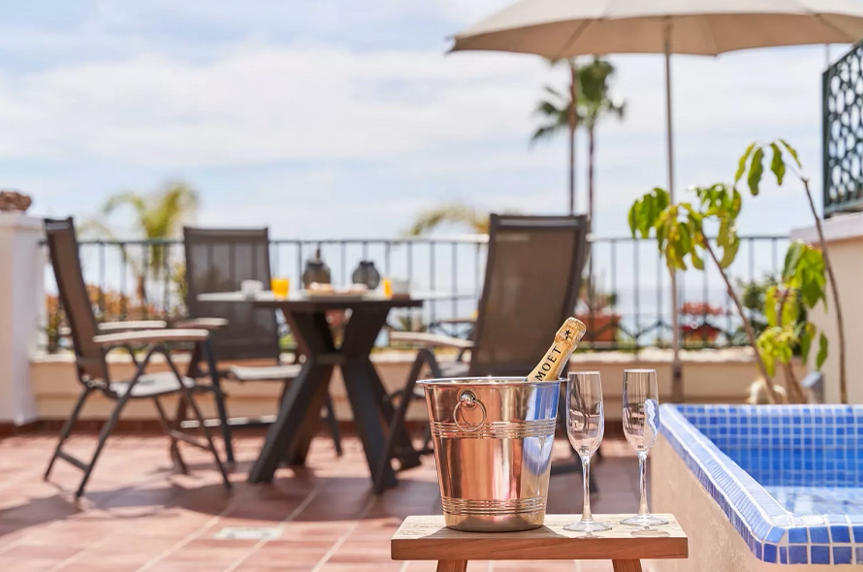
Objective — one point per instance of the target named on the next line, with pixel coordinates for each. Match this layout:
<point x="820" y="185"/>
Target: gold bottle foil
<point x="565" y="342"/>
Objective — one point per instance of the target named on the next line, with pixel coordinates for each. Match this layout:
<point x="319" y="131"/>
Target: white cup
<point x="401" y="287"/>
<point x="250" y="288"/>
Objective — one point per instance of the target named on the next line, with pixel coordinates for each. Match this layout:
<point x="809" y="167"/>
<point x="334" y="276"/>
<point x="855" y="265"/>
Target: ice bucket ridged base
<point x="492" y="439"/>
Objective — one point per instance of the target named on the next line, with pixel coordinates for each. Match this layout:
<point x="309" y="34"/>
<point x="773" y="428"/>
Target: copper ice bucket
<point x="492" y="441"/>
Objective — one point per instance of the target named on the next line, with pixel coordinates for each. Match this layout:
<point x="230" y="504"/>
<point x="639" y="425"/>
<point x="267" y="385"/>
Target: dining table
<point x="289" y="437"/>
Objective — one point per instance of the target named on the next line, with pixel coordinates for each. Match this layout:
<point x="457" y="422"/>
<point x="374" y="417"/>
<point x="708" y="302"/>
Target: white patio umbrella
<point x="557" y="29"/>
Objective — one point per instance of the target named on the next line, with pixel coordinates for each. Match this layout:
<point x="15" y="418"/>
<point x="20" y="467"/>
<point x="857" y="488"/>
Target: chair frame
<point x="137" y="334"/>
<point x="269" y="351"/>
<point x="426" y="357"/>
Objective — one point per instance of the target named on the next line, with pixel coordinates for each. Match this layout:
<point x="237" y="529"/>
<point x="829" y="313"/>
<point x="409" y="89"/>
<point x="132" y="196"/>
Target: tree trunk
<point x="834" y="289"/>
<point x="591" y="153"/>
<point x="573" y="125"/>
<point x="768" y="382"/>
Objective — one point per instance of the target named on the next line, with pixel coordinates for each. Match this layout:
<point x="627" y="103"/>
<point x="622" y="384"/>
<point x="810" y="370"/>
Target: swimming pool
<point x="788" y="478"/>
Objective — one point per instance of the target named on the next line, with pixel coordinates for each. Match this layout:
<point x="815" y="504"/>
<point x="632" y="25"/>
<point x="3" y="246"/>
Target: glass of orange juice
<point x="280" y="287"/>
<point x="388" y="287"/>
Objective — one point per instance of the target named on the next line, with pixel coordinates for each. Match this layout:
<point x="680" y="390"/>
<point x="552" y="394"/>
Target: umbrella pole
<point x="676" y="366"/>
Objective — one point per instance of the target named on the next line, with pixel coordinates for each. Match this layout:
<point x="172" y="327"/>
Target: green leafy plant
<point x="802" y="287"/>
<point x="785" y="160"/>
<point x="752" y="295"/>
<point x="680" y="235"/>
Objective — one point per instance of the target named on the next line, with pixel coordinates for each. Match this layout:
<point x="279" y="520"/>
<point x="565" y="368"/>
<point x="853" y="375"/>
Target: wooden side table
<point x="426" y="538"/>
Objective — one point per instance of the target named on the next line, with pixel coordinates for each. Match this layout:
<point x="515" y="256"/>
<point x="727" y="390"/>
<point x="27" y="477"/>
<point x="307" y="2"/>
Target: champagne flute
<point x="641" y="425"/>
<point x="584" y="427"/>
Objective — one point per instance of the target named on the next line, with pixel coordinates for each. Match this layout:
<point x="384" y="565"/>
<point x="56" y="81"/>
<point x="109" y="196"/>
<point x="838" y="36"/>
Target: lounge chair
<point x="219" y="260"/>
<point x="92" y="341"/>
<point x="531" y="286"/>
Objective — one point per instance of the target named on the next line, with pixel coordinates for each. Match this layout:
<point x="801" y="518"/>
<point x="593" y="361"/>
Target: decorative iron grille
<point x="843" y="133"/>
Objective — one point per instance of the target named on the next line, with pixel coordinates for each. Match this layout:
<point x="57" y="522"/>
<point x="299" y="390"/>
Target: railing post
<point x="22" y="308"/>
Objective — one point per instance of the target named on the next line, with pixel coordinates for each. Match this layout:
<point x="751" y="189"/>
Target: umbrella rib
<point x="826" y="23"/>
<point x="581" y="29"/>
<point x="573" y="38"/>
<point x="712" y="36"/>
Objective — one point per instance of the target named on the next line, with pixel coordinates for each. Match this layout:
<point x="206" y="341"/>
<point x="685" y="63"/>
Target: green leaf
<point x="756" y="169"/>
<point x="741" y="167"/>
<point x="792" y="151"/>
<point x="770" y="304"/>
<point x="730" y="251"/>
<point x="777" y="165"/>
<point x="792" y="259"/>
<point x="765" y="344"/>
<point x="697" y="261"/>
<point x="790" y="309"/>
<point x="822" y="351"/>
<point x="807" y="332"/>
<point x="633" y="214"/>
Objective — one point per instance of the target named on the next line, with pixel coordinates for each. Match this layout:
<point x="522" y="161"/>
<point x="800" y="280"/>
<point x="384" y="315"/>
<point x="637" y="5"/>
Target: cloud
<point x="264" y="104"/>
<point x="276" y="105"/>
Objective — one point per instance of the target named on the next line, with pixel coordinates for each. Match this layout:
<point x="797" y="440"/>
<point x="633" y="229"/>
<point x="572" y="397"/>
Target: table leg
<point x="365" y="389"/>
<point x="305" y="394"/>
<point x="314" y="340"/>
<point x="626" y="565"/>
<point x="298" y="446"/>
<point x="451" y="565"/>
<point x="367" y="414"/>
<point x="403" y="439"/>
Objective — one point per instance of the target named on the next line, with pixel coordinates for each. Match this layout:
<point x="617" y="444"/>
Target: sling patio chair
<point x="531" y="286"/>
<point x="219" y="260"/>
<point x="91" y="345"/>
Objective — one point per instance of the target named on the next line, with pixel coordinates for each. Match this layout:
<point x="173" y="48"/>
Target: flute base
<point x="644" y="521"/>
<point x="587" y="526"/>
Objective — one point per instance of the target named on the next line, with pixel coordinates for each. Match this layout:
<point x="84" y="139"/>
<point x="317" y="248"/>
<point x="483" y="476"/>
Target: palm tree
<point x="594" y="104"/>
<point x="559" y="114"/>
<point x="157" y="216"/>
<point x="457" y="213"/>
<point x="590" y="91"/>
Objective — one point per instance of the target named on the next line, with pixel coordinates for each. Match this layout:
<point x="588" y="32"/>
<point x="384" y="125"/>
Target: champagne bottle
<point x="565" y="342"/>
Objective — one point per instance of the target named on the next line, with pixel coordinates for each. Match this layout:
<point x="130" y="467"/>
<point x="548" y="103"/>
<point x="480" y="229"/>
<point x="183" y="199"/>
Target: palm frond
<point x="457" y="213"/>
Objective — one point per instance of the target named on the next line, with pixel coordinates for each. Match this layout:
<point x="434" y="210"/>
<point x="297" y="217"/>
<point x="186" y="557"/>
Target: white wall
<point x="22" y="306"/>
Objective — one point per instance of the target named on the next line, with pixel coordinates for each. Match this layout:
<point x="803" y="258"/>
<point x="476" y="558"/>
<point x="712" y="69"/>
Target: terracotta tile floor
<point x="139" y="516"/>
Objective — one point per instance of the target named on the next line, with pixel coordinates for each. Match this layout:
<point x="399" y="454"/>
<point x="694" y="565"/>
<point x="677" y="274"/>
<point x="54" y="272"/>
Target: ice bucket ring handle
<point x="468" y="399"/>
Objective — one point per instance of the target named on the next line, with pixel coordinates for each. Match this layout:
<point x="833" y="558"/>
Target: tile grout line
<point x="80" y="554"/>
<point x="187" y="539"/>
<point x="338" y="544"/>
<point x="291" y="516"/>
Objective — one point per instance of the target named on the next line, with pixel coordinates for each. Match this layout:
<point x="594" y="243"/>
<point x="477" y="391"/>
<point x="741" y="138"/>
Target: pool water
<point x="813" y="500"/>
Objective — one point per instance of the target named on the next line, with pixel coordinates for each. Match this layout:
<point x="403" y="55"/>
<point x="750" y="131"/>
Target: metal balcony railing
<point x="625" y="300"/>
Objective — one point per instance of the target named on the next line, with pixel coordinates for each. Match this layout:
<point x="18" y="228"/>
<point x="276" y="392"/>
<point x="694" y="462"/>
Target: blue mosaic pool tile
<point x="798" y="536"/>
<point x="840" y="534"/>
<point x="797" y="555"/>
<point x="769" y="553"/>
<point x="819" y="554"/>
<point x="819" y="535"/>
<point x="841" y="555"/>
<point x="760" y="462"/>
<point x="775" y="535"/>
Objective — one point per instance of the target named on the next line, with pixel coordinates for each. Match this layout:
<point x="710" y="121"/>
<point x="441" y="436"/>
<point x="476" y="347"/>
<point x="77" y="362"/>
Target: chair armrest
<point x="200" y="323"/>
<point x="112" y="327"/>
<point x="430" y="340"/>
<point x="151" y="336"/>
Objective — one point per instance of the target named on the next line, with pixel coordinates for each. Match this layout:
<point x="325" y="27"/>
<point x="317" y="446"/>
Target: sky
<point x="346" y="118"/>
